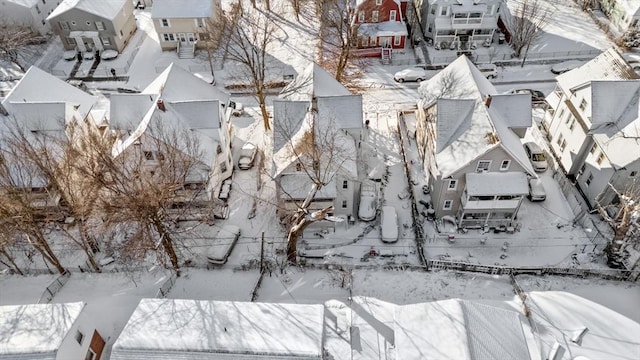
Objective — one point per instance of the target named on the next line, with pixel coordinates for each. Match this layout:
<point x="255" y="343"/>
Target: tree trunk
<point x="292" y="241"/>
<point x="88" y="245"/>
<point x="167" y="244"/>
<point x="42" y="246"/>
<point x="263" y="110"/>
<point x="12" y="261"/>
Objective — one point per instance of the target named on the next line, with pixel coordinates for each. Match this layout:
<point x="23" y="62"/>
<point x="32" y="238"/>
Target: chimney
<point x="487" y="100"/>
<point x="160" y="104"/>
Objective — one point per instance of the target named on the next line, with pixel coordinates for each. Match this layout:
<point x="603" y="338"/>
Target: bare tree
<point x="144" y="179"/>
<point x="251" y="33"/>
<point x="15" y="41"/>
<point x="26" y="201"/>
<point x="339" y="33"/>
<point x="625" y="223"/>
<point x="320" y="152"/>
<point x="524" y="26"/>
<point x="297" y="8"/>
<point x="213" y="35"/>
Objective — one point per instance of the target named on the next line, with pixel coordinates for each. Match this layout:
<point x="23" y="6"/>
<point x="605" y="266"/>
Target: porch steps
<point x="386" y="56"/>
<point x="186" y="52"/>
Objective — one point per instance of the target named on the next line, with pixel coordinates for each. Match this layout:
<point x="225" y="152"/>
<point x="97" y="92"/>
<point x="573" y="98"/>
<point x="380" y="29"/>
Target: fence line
<point x="54" y="287"/>
<point x="538" y="56"/>
<point x="167" y="285"/>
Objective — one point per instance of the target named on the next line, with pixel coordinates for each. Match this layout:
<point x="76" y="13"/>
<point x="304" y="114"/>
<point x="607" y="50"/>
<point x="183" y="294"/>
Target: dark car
<point x="537" y="96"/>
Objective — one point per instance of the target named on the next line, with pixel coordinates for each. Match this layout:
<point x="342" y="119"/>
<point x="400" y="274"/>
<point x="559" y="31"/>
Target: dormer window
<point x="298" y="167"/>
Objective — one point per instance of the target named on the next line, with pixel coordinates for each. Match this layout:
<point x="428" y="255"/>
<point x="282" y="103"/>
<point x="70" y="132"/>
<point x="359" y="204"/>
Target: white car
<point x="247" y="156"/>
<point x="490" y="71"/>
<point x="536" y="190"/>
<point x="410" y="74"/>
<point x="563" y="67"/>
<point x="389" y="224"/>
<point x="368" y="202"/>
<point x="536" y="156"/>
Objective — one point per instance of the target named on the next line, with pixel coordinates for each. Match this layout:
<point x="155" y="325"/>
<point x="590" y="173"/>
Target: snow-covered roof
<point x="459" y="330"/>
<point x="35" y="331"/>
<point x="25" y="3"/>
<point x="468" y="124"/>
<point x="612" y="88"/>
<point x="193" y="329"/>
<point x="312" y="83"/>
<point x="296" y="186"/>
<point x="43" y="102"/>
<point x="631" y="6"/>
<point x="190" y="104"/>
<point x="560" y="316"/>
<point x="385" y="28"/>
<point x="497" y="183"/>
<point x="107" y="9"/>
<point x="186" y="9"/>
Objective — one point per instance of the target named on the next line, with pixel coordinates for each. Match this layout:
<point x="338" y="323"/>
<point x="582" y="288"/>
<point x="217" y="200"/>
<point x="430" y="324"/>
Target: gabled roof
<point x="107" y="9"/>
<point x="459" y="330"/>
<point x="313" y="82"/>
<point x="42" y="101"/>
<point x="185" y="9"/>
<point x="467" y="122"/>
<point x="190" y="104"/>
<point x="25" y="3"/>
<point x="612" y="88"/>
<point x="35" y="331"/>
<point x="193" y="329"/>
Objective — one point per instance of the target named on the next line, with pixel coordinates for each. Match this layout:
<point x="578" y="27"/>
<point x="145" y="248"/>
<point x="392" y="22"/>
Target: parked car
<point x="410" y="74"/>
<point x="247" y="156"/>
<point x="537" y="96"/>
<point x="536" y="190"/>
<point x="565" y="66"/>
<point x="368" y="202"/>
<point x="389" y="224"/>
<point x="224" y="242"/>
<point x="536" y="156"/>
<point x="490" y="71"/>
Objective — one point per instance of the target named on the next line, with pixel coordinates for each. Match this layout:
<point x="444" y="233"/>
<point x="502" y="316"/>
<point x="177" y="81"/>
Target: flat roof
<point x="497" y="183"/>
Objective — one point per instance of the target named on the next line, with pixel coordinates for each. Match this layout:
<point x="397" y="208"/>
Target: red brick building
<point x="380" y="24"/>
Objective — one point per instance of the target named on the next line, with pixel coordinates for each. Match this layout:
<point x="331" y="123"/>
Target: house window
<point x="635" y="23"/>
<point x="483" y="165"/>
<point x="316" y="165"/>
<point x="572" y="124"/>
<point x="361" y="17"/>
<point x="374" y="16"/>
<point x="433" y="10"/>
<point x="200" y="22"/>
<point x="397" y="40"/>
<point x="582" y="169"/>
<point x="583" y="104"/>
<point x="563" y="145"/>
<point x="373" y="41"/>
<point x="561" y="113"/>
<point x="392" y="15"/>
<point x="365" y="41"/>
<point x="223" y="167"/>
<point x="148" y="155"/>
<point x="44" y="1"/>
<point x="71" y="41"/>
<point x="504" y="166"/>
<point x="121" y="33"/>
<point x="344" y="204"/>
<point x="164" y="22"/>
<point x="447" y="205"/>
<point x="443" y="11"/>
<point x="378" y="2"/>
<point x="91" y="355"/>
<point x="79" y="337"/>
<point x="168" y="37"/>
<point x="345" y="184"/>
<point x="452" y="184"/>
<point x="37" y="9"/>
<point x="600" y="159"/>
<point x="298" y="167"/>
<point x="106" y="41"/>
<point x="589" y="180"/>
<point x="99" y="25"/>
<point x="593" y="149"/>
<point x="491" y="9"/>
<point x="633" y="174"/>
<point x="64" y="25"/>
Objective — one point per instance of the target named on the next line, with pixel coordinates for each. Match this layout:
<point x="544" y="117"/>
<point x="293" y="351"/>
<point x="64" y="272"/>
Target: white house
<point x="178" y="100"/>
<point x="31" y="13"/>
<point x="199" y="329"/>
<point x="593" y="126"/>
<point x="469" y="140"/>
<point x="48" y="332"/>
<point x="624" y="14"/>
<point x="316" y="109"/>
<point x="458" y="24"/>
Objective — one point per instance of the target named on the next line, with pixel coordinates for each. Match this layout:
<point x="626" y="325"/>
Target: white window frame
<point x="344" y="204"/>
<point x="168" y="37"/>
<point x="378" y="2"/>
<point x="447" y="205"/>
<point x="504" y="166"/>
<point x="373" y="41"/>
<point x="199" y="22"/>
<point x="99" y="25"/>
<point x="365" y="41"/>
<point x="452" y="185"/>
<point x="583" y="104"/>
<point x="361" y="16"/>
<point x="443" y="11"/>
<point x="345" y="184"/>
<point x="482" y="168"/>
<point x="633" y="173"/>
<point x="392" y="15"/>
<point x="163" y="21"/>
<point x="105" y="41"/>
<point x="375" y="16"/>
<point x="600" y="158"/>
<point x="589" y="180"/>
<point x="91" y="355"/>
<point x="397" y="40"/>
